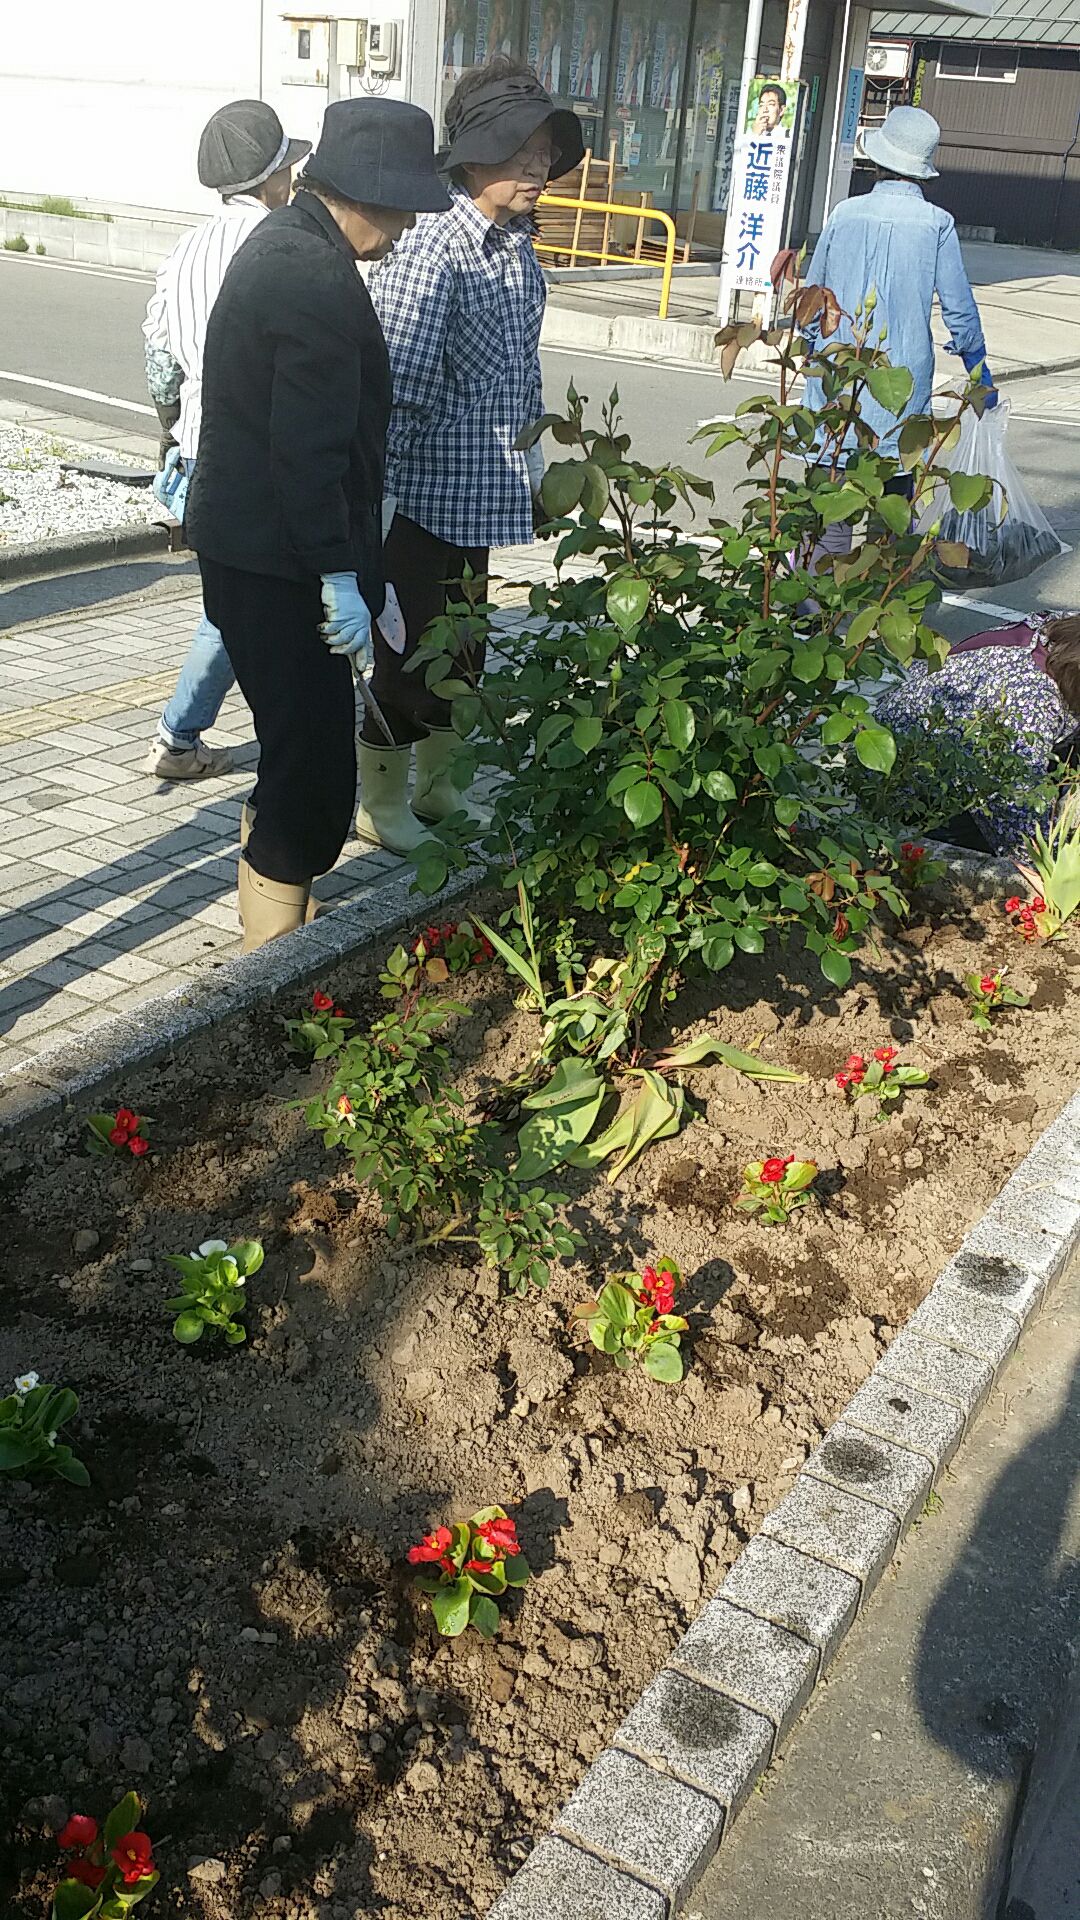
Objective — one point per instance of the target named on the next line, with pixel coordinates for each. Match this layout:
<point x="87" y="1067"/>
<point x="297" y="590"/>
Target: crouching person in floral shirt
<point x="1027" y="678"/>
<point x="460" y="303"/>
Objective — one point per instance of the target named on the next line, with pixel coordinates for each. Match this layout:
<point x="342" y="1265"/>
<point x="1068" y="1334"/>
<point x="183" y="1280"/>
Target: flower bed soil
<point x="224" y="1619"/>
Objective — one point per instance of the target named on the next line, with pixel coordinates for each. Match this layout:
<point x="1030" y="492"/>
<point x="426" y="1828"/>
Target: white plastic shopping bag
<point x="1011" y="536"/>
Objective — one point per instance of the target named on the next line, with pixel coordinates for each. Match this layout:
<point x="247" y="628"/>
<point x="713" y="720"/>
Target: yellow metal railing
<point x="607" y="256"/>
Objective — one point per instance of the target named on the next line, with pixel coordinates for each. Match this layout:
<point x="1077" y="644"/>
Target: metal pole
<point x="838" y="109"/>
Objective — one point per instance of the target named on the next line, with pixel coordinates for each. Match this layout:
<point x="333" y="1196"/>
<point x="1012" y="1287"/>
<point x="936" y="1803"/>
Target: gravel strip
<point x="39" y="502"/>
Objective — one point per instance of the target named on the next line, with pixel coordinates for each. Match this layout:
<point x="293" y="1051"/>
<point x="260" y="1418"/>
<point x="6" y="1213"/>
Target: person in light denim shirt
<point x="895" y="243"/>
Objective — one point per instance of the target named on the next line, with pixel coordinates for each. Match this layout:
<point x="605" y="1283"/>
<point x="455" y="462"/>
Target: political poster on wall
<point x="548" y="53"/>
<point x="669" y="45"/>
<point x="494" y="28"/>
<point x="587" y="50"/>
<point x="632" y="61"/>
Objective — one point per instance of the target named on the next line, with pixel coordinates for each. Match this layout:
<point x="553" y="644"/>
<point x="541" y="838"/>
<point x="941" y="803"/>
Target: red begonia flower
<point x="138" y="1146"/>
<point x="126" y="1119"/>
<point x="81" y="1831"/>
<point x="134" y="1857"/>
<point x="1013" y="905"/>
<point x="432" y="1547"/>
<point x="118" y="1136"/>
<point x="886" y="1055"/>
<point x="480" y="1566"/>
<point x="500" y="1533"/>
<point x="773" y="1170"/>
<point x="322" y="1002"/>
<point x="989" y="983"/>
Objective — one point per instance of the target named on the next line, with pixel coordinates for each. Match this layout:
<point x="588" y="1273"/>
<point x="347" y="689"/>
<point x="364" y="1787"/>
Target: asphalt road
<point x="75" y="331"/>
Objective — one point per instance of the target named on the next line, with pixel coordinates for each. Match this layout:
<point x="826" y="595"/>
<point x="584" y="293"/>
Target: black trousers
<point x="426" y="574"/>
<point x="304" y="706"/>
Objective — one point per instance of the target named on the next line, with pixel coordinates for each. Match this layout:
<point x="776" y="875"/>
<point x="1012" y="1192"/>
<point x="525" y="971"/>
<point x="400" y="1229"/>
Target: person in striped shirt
<point x="244" y="156"/>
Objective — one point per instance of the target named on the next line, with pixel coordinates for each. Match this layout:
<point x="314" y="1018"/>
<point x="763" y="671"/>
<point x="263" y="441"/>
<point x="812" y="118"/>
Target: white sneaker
<point x="185" y="763"/>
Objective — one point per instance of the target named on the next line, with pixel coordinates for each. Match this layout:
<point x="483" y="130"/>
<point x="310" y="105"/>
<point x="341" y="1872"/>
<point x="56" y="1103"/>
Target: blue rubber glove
<point x="347" y="627"/>
<point x="986" y="378"/>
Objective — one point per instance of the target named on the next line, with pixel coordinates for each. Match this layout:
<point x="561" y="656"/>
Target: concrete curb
<point x="155" y="1030"/>
<point x="688" y="342"/>
<point x="40" y="559"/>
<point x="654" y="1807"/>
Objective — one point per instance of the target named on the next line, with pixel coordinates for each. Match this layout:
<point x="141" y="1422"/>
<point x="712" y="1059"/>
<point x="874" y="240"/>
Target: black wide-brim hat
<point x="380" y="153"/>
<point x="499" y="115"/>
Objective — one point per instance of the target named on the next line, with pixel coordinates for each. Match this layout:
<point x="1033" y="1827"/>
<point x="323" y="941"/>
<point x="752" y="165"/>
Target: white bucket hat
<point x="905" y="143"/>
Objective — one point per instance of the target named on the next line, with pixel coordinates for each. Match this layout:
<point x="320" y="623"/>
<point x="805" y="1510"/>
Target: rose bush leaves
<point x="661" y="727"/>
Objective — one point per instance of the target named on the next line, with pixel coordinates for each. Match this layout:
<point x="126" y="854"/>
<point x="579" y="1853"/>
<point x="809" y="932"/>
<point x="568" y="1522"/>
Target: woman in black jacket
<point x="285" y="509"/>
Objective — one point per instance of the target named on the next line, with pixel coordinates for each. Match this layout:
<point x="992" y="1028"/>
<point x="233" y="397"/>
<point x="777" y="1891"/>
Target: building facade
<point x="105" y="108"/>
<point x="1006" y="92"/>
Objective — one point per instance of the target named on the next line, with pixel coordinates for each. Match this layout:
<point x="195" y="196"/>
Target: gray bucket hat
<point x="242" y="144"/>
<point x="905" y="143"/>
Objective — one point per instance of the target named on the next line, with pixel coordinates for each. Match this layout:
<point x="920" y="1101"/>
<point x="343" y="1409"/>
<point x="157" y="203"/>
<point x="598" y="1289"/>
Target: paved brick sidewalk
<point x="115" y="888"/>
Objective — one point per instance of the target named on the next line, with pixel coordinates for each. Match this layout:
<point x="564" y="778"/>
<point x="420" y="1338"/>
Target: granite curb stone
<point x="647" y="1822"/>
<point x="958" y="1378"/>
<point x="963" y="1321"/>
<point x="758" y="1665"/>
<point x="560" y="1882"/>
<point x="907" y="1417"/>
<point x="873" y="1469"/>
<point x="837" y="1527"/>
<point x="814" y="1602"/>
<point x="702" y="1737"/>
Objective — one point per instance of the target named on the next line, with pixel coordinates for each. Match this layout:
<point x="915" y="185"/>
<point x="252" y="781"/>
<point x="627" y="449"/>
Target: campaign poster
<point x="632" y="62"/>
<point x="494" y="28"/>
<point x="587" y="51"/>
<point x="669" y="45"/>
<point x="762" y="174"/>
<point x="547" y="50"/>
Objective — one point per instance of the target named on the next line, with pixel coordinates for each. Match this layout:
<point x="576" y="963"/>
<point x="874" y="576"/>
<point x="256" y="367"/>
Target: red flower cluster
<point x="658" y="1289"/>
<point x="433" y="1551"/>
<point x="133" y="1853"/>
<point x="433" y="938"/>
<point x="501" y="1535"/>
<point x="1025" y="914"/>
<point x="773" y="1171"/>
<point x="324" y="1003"/>
<point x="853" y="1074"/>
<point x="912" y="853"/>
<point x="124" y="1132"/>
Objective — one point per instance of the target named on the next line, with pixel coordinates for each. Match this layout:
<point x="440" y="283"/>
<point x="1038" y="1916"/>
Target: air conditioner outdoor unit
<point x="887" y="60"/>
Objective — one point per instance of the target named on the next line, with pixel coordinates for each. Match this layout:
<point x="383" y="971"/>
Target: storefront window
<point x="711" y="106"/>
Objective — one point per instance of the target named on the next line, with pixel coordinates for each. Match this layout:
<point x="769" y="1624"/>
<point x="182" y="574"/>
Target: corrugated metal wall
<point x="1010" y="153"/>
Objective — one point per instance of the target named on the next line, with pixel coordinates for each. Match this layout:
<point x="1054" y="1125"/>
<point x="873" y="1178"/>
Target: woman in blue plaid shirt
<point x="460" y="301"/>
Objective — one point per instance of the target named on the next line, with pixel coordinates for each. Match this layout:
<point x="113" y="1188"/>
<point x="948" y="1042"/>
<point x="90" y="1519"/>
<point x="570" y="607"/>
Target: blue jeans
<point x="205" y="678"/>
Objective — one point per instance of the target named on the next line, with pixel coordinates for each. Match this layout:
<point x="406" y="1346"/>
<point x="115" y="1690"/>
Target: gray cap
<point x="243" y="144"/>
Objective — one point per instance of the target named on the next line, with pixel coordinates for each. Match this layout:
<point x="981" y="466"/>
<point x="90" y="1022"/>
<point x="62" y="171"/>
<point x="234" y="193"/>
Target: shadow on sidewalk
<point x="1002" y="1637"/>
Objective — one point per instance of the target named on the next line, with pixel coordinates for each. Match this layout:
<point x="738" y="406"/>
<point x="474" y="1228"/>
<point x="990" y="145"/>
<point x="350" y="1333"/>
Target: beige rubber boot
<point x="436" y="796"/>
<point x="268" y="908"/>
<point x="247" y="821"/>
<point x="383" y="817"/>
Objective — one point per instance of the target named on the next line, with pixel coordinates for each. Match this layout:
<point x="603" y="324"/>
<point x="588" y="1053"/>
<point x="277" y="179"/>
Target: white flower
<point x="211" y="1246"/>
<point x="26" y="1383"/>
<point x="51" y="1438"/>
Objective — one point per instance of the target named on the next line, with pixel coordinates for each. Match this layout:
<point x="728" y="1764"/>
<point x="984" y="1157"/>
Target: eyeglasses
<point x="534" y="165"/>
